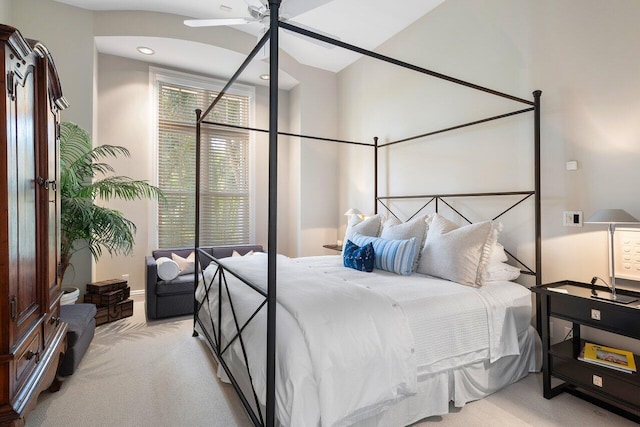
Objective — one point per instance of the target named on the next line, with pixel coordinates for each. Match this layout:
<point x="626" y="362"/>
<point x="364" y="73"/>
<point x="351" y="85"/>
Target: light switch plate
<point x="572" y="218"/>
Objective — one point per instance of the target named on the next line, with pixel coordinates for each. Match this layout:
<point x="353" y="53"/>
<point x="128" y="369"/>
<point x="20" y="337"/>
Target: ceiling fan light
<point x="145" y="50"/>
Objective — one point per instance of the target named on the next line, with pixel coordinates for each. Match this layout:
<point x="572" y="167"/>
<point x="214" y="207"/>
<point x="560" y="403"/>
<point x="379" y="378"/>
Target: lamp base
<point x="620" y="299"/>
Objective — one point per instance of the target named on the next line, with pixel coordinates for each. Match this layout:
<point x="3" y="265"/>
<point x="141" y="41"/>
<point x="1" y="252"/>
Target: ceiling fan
<point x="259" y="12"/>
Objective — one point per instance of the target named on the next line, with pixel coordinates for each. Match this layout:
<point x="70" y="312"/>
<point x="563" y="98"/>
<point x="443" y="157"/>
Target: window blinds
<point x="224" y="181"/>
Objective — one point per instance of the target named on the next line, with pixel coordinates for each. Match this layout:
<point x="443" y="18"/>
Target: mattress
<point x="451" y="327"/>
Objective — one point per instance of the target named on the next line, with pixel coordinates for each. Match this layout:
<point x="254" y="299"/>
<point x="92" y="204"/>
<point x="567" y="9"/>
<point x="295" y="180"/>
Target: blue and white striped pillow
<point x="396" y="256"/>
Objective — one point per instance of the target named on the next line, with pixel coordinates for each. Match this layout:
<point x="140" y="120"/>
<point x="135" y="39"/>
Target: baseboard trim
<point x="137" y="292"/>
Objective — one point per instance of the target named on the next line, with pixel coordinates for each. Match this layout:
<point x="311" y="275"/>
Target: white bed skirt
<point x="460" y="385"/>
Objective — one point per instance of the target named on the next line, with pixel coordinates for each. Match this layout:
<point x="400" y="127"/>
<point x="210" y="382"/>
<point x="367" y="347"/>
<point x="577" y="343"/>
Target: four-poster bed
<point x="225" y="332"/>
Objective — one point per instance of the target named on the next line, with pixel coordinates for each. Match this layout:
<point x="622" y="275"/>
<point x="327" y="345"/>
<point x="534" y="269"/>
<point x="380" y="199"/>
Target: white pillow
<point x="187" y="265"/>
<point x="393" y="229"/>
<point x="236" y="253"/>
<point x="367" y="227"/>
<point x="458" y="254"/>
<point x="499" y="272"/>
<point x="168" y="269"/>
<point x="498" y="255"/>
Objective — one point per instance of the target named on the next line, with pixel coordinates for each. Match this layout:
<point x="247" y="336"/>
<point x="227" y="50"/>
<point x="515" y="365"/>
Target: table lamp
<point x="353" y="211"/>
<point x="611" y="217"/>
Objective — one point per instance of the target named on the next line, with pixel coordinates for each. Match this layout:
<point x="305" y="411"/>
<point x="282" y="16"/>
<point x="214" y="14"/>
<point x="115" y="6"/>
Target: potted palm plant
<point x="84" y="179"/>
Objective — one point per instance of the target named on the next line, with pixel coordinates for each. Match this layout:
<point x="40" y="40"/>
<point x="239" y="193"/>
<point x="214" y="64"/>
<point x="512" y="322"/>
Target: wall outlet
<point x="125" y="277"/>
<point x="572" y="218"/>
<point x="572" y="165"/>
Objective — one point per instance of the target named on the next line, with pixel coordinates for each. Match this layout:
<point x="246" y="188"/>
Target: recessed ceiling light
<point x="264" y="76"/>
<point x="225" y="8"/>
<point x="146" y="50"/>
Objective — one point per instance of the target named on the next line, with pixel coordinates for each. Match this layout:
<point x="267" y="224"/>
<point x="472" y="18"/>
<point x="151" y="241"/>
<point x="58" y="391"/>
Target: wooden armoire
<point x="32" y="337"/>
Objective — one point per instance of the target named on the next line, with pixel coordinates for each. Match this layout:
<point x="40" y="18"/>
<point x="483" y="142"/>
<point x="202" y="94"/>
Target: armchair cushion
<point x="180" y="284"/>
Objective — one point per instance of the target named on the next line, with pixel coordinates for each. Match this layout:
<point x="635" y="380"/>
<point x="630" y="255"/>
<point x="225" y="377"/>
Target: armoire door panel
<point x="28" y="297"/>
<point x="53" y="205"/>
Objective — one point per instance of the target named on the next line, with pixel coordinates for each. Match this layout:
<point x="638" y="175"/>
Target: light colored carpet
<point x="156" y="374"/>
<point x="142" y="374"/>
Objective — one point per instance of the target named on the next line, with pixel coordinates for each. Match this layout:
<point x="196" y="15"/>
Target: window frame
<point x="195" y="81"/>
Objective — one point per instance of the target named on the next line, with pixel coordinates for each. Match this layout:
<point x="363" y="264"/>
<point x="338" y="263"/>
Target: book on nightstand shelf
<point x="609" y="357"/>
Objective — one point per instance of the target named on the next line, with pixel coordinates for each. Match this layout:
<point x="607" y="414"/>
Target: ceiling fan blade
<point x="292" y="8"/>
<point x="312" y="40"/>
<point x="217" y="22"/>
<point x="258" y="4"/>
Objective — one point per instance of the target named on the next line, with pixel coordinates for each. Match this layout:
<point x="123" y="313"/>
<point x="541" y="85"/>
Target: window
<point x="225" y="215"/>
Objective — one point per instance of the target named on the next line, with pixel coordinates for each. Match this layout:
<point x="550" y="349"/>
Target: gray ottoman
<point x="82" y="326"/>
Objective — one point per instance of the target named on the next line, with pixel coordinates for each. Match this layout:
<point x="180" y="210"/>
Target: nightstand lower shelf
<point x="614" y="390"/>
<point x="619" y="387"/>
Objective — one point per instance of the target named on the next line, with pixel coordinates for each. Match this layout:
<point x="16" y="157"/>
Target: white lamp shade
<point x="611" y="216"/>
<point x="353" y="211"/>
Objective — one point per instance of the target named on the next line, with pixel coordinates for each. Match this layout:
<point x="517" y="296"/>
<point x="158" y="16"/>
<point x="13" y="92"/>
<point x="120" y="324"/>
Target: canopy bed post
<point x="536" y="137"/>
<point x="375" y="175"/>
<point x="536" y="118"/>
<point x="197" y="219"/>
<point x="273" y="212"/>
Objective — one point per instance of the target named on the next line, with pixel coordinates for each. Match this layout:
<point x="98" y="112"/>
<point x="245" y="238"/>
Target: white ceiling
<point x="363" y="23"/>
<point x="179" y="53"/>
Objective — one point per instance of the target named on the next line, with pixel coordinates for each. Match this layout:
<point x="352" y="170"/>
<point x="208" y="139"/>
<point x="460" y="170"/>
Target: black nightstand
<point x="333" y="247"/>
<point x="615" y="391"/>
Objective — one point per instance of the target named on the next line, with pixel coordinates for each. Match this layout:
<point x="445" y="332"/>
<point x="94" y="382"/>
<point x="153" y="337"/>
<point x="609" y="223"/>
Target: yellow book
<point x="607" y="356"/>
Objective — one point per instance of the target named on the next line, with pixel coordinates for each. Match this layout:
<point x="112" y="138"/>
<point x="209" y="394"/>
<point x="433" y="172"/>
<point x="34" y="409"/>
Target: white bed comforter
<point x="350" y="344"/>
<point x="358" y="341"/>
<point x="452" y="324"/>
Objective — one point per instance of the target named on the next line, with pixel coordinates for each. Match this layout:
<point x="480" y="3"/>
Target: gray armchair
<point x="175" y="297"/>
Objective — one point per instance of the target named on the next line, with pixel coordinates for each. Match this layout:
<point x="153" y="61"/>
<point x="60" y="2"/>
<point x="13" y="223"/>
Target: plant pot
<point x="70" y="296"/>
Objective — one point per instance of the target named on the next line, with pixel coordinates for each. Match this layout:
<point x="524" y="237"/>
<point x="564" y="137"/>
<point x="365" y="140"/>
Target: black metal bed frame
<point x="220" y="276"/>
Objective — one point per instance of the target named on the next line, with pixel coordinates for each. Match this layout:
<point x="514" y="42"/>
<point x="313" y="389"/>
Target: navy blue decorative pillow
<point x="359" y="258"/>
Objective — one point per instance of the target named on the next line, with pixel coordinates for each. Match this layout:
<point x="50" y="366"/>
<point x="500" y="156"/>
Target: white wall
<point x="294" y="171"/>
<point x="582" y="55"/>
<point x="261" y="181"/>
<point x="313" y="193"/>
<point x="319" y="164"/>
<point x="5" y="12"/>
<point x="124" y="118"/>
<point x="314" y="164"/>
